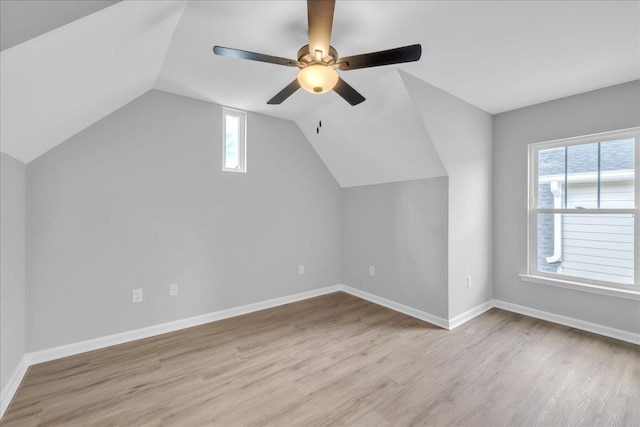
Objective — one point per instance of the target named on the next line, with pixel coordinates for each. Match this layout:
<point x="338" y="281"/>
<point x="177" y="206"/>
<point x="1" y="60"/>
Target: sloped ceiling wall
<point x="55" y="86"/>
<point x="23" y="20"/>
<point x="381" y="140"/>
<point x="463" y="137"/>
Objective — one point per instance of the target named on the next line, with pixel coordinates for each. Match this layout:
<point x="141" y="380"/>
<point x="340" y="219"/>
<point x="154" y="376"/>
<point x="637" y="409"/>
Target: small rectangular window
<point x="583" y="209"/>
<point x="234" y="140"/>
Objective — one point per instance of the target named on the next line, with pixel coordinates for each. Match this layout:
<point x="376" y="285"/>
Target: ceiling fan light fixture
<point x="318" y="60"/>
<point x="318" y="78"/>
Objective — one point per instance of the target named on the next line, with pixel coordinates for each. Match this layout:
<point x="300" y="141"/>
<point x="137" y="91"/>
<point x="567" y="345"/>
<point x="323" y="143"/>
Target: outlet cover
<point x="301" y="269"/>
<point x="136" y="296"/>
<point x="372" y="270"/>
<point x="173" y="289"/>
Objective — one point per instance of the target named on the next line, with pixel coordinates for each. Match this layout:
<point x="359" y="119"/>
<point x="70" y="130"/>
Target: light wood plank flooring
<point x="340" y="360"/>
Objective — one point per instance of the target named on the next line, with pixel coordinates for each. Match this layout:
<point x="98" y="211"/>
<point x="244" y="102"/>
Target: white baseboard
<point x="409" y="311"/>
<point x="9" y="390"/>
<point x="49" y="354"/>
<point x="607" y="331"/>
<point x="33" y="358"/>
<point x="163" y="328"/>
<point x="454" y="322"/>
<point x="470" y="314"/>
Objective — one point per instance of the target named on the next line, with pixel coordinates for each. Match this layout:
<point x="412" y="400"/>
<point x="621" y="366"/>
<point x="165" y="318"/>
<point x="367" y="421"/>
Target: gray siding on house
<point x="598" y="247"/>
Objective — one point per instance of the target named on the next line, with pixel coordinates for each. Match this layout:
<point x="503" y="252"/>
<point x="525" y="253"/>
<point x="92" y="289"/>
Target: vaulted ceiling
<point x="65" y="67"/>
<point x="496" y="55"/>
<point x="24" y="20"/>
<point x="56" y="84"/>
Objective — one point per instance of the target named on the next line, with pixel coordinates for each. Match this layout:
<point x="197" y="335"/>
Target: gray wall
<point x="138" y="200"/>
<point x="463" y="137"/>
<point x="612" y="108"/>
<point x="400" y="229"/>
<point x="12" y="265"/>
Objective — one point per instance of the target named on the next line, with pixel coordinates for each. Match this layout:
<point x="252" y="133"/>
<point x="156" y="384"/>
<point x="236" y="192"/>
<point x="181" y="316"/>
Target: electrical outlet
<point x="173" y="289"/>
<point x="468" y="282"/>
<point x="301" y="269"/>
<point x="372" y="270"/>
<point x="136" y="295"/>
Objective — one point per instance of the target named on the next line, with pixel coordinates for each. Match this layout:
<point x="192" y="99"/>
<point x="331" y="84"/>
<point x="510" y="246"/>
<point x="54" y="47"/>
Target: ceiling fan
<point x="318" y="61"/>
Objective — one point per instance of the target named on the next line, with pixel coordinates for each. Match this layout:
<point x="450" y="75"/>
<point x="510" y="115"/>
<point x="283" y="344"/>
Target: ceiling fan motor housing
<point x="306" y="58"/>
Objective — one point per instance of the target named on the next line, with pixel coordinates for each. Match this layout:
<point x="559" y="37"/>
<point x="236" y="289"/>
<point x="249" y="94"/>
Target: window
<point x="234" y="138"/>
<point x="583" y="195"/>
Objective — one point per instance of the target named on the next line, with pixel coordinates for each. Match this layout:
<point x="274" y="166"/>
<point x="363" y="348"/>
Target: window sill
<point x="577" y="286"/>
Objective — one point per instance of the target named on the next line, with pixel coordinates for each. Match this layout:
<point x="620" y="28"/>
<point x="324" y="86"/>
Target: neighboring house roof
<point x="582" y="161"/>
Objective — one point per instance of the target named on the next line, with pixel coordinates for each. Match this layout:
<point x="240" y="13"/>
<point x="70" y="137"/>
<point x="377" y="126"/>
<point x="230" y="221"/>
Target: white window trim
<point x="580" y="286"/>
<point x="242" y="116"/>
<point x="565" y="281"/>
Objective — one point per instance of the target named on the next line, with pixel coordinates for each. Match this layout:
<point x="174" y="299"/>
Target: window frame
<point x="563" y="280"/>
<point x="242" y="143"/>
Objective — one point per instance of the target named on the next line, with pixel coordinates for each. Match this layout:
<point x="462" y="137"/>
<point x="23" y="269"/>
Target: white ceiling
<point x="496" y="55"/>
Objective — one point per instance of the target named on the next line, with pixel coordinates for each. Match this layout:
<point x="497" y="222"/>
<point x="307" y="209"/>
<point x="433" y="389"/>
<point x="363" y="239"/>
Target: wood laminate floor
<point x="340" y="360"/>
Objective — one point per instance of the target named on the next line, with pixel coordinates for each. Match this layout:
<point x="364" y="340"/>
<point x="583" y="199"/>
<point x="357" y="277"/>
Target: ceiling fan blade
<point x="285" y="93"/>
<point x="348" y="93"/>
<point x="320" y="18"/>
<point x="384" y="57"/>
<point x="244" y="54"/>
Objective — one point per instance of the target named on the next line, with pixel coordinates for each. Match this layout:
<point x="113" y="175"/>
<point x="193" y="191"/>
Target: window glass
<point x="592" y="246"/>
<point x="234" y="148"/>
<point x="551" y="177"/>
<point x="617" y="166"/>
<point x="582" y="225"/>
<point x="582" y="176"/>
<point x="232" y="140"/>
